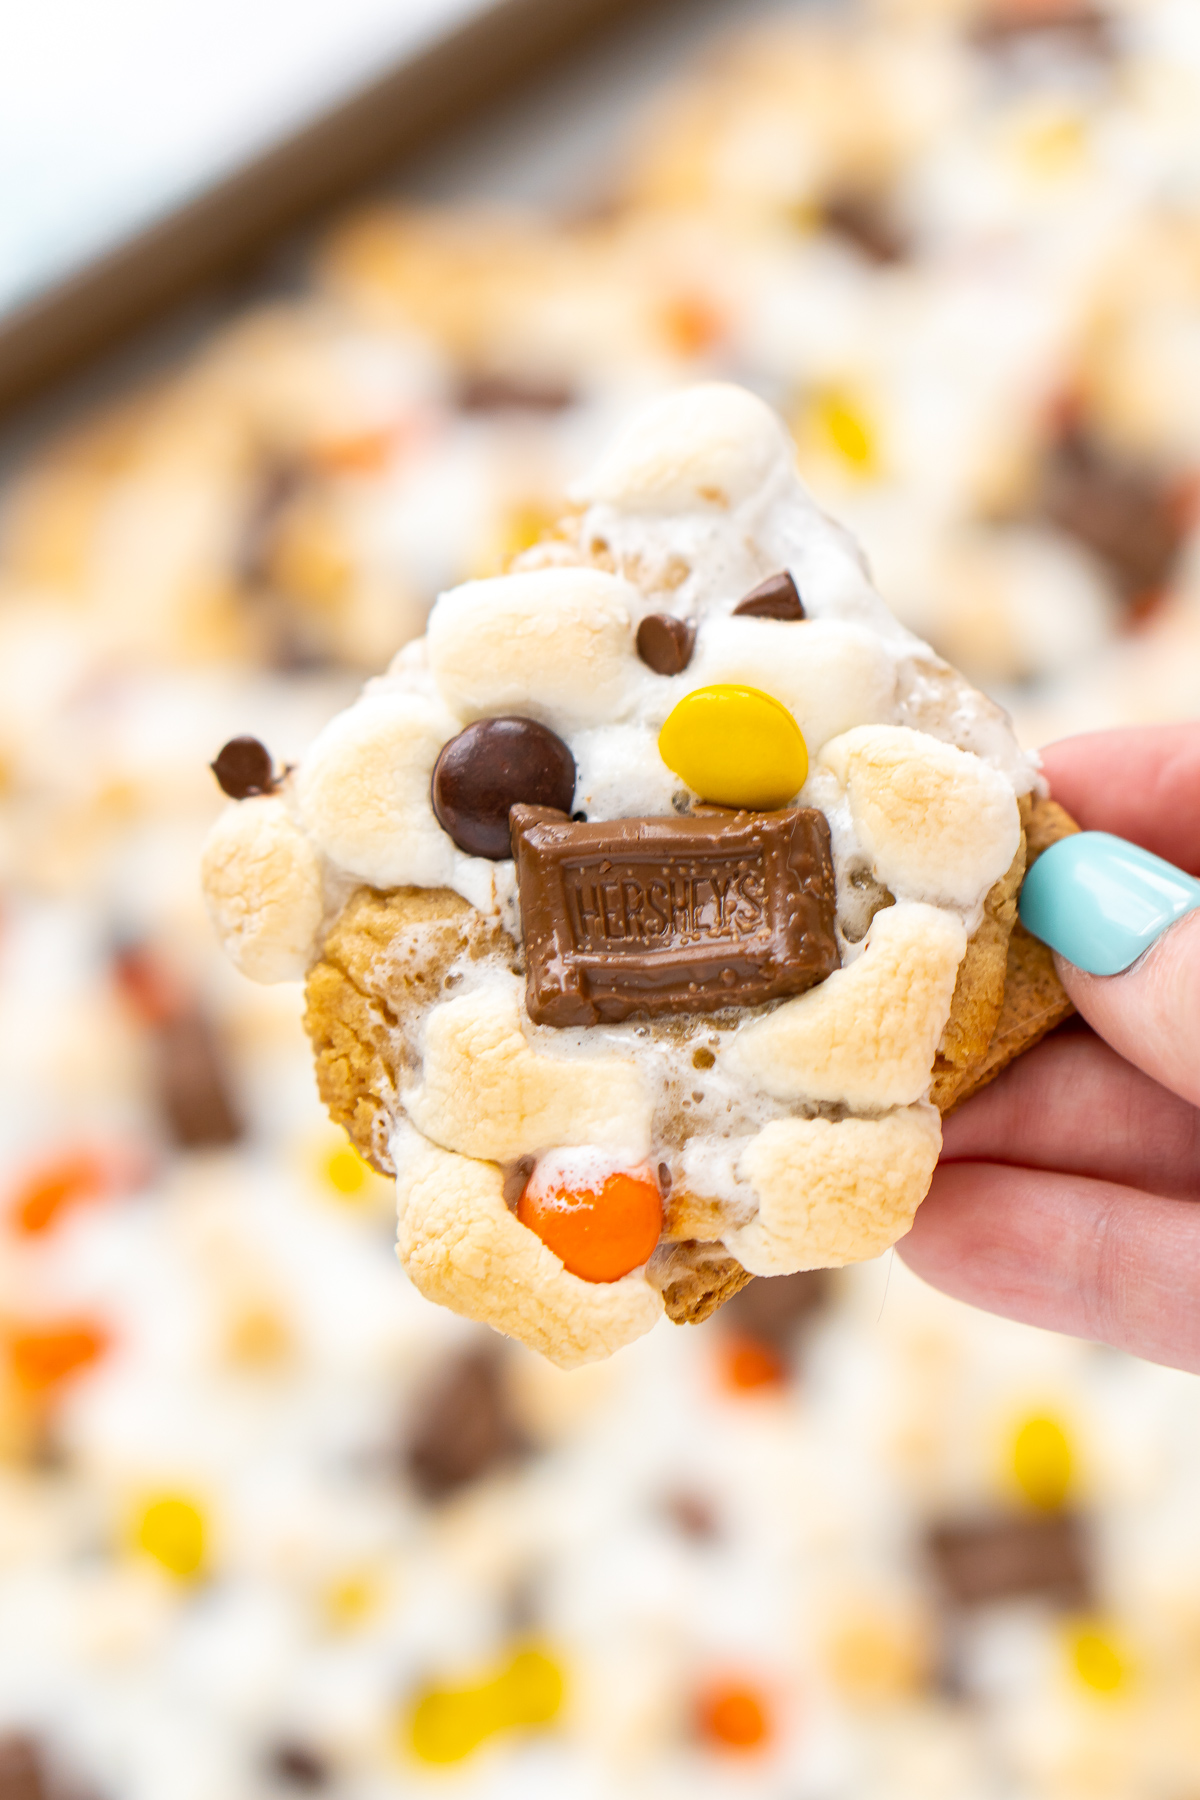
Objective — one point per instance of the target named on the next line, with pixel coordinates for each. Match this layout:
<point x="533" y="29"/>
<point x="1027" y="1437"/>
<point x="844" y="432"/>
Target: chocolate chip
<point x="493" y="765"/>
<point x="243" y="767"/>
<point x="22" y="1772"/>
<point x="665" y="643"/>
<point x="298" y="1766"/>
<point x="1002" y="1559"/>
<point x="772" y="1306"/>
<point x="463" y="1426"/>
<point x="775" y="598"/>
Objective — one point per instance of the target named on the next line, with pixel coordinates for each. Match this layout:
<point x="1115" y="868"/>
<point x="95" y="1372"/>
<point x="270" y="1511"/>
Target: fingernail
<point x="1101" y="902"/>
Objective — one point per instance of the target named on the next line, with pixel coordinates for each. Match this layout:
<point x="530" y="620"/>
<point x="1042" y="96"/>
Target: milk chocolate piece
<point x="22" y="1775"/>
<point x="862" y="219"/>
<point x="243" y="767"/>
<point x="776" y="598"/>
<point x="298" y="1766"/>
<point x="665" y="643"/>
<point x="666" y="915"/>
<point x="1077" y="23"/>
<point x="464" y="1426"/>
<point x="487" y="393"/>
<point x="1043" y="1555"/>
<point x="1125" y="514"/>
<point x="491" y="766"/>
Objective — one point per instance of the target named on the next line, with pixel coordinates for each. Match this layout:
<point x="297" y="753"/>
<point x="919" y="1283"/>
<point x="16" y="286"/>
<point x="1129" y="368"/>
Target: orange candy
<point x="51" y="1187"/>
<point x="733" y="1716"/>
<point x="600" y="1225"/>
<point x="44" y="1355"/>
<point x="750" y="1364"/>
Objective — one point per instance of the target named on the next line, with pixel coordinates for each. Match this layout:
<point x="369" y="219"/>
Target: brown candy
<point x="22" y="1775"/>
<point x="243" y="767"/>
<point x="862" y="219"/>
<point x="1007" y="25"/>
<point x="493" y="765"/>
<point x="665" y="915"/>
<point x="1044" y="1555"/>
<point x="775" y="598"/>
<point x="297" y="1766"/>
<point x="464" y="1426"/>
<point x="188" y="1065"/>
<point x="665" y="643"/>
<point x="1124" y="514"/>
<point x="485" y="393"/>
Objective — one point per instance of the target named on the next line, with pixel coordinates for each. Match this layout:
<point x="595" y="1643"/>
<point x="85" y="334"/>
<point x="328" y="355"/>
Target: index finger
<point x="1142" y="784"/>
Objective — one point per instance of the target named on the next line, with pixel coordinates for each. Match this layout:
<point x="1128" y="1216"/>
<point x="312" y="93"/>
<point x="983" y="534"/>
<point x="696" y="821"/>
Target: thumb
<point x="1126" y="931"/>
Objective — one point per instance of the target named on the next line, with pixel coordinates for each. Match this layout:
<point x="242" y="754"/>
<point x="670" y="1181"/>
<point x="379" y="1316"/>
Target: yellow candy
<point x="735" y="746"/>
<point x="447" y="1724"/>
<point x="1042" y="1463"/>
<point x="171" y="1530"/>
<point x="345" y="1171"/>
<point x="1098" y="1663"/>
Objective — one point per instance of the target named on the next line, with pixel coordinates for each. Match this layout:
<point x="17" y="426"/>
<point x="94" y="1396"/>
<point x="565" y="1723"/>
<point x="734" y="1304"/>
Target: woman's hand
<point x="1063" y="1193"/>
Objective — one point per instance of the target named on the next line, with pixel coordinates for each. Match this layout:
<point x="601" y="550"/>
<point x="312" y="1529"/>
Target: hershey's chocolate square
<point x="668" y="915"/>
<point x="986" y="1560"/>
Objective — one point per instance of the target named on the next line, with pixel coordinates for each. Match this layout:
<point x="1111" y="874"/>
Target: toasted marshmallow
<point x="713" y="445"/>
<point x="866" y="1036"/>
<point x="461" y="1247"/>
<point x="829" y="674"/>
<point x="262" y="886"/>
<point x="938" y="823"/>
<point x="487" y="1092"/>
<point x="362" y="791"/>
<point x="832" y="1193"/>
<point x="550" y="644"/>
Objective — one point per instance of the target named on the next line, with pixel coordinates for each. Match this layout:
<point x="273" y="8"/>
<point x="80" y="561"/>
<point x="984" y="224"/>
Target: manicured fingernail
<point x="1101" y="902"/>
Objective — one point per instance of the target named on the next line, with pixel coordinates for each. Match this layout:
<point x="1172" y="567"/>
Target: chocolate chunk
<point x="516" y="1180"/>
<point x="513" y="393"/>
<point x="1044" y="1555"/>
<point x="775" y="598"/>
<point x="299" y="1767"/>
<point x="463" y="1426"/>
<point x="1124" y="514"/>
<point x="666" y="915"/>
<point x="493" y="765"/>
<point x="665" y="643"/>
<point x="862" y="219"/>
<point x="189" y="1068"/>
<point x="22" y="1771"/>
<point x="771" y="1307"/>
<point x="1007" y="25"/>
<point x="193" y="1085"/>
<point x="243" y="767"/>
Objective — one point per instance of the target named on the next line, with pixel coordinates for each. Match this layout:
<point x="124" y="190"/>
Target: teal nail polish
<point x="1101" y="902"/>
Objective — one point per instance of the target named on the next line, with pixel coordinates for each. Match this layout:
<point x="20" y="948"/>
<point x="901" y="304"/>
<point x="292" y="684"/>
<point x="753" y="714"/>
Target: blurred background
<point x="270" y="1523"/>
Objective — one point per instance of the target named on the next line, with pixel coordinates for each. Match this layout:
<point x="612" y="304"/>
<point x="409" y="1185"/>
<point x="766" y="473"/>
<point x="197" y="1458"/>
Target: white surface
<point x="111" y="115"/>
